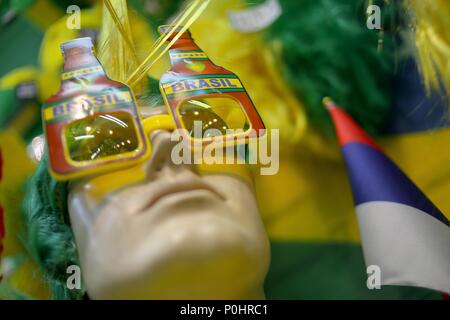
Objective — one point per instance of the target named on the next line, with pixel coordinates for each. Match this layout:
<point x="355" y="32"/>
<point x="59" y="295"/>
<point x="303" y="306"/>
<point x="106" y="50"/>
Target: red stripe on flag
<point x="347" y="130"/>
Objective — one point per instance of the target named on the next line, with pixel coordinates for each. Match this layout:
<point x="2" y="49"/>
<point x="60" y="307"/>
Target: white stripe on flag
<point x="410" y="247"/>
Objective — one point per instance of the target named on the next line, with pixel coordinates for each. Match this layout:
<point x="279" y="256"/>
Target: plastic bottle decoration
<point x="92" y="123"/>
<point x="198" y="91"/>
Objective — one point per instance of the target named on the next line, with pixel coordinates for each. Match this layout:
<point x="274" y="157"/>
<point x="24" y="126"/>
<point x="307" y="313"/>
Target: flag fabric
<point x="402" y="231"/>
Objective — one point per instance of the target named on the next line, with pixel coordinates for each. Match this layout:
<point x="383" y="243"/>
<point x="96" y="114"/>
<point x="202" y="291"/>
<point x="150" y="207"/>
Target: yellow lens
<point x="101" y="136"/>
<point x="213" y="115"/>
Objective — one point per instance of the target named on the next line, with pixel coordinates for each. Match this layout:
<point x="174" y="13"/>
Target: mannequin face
<point x="174" y="235"/>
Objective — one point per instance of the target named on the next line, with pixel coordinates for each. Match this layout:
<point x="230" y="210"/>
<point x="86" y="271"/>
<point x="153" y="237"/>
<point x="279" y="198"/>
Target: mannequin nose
<point x="160" y="160"/>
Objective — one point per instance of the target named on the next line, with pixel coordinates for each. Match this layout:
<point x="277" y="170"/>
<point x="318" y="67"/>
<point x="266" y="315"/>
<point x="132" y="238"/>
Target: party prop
<point x="92" y="123"/>
<point x="197" y="90"/>
<point x="402" y="232"/>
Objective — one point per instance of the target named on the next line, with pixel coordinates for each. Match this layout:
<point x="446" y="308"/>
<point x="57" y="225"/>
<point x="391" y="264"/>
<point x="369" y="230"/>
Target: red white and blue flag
<point x="402" y="231"/>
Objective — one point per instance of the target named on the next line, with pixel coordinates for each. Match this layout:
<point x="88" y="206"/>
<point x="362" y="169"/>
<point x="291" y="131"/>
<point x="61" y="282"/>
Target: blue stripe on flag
<point x="374" y="177"/>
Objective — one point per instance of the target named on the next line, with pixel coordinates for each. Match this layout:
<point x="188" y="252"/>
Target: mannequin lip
<point x="177" y="187"/>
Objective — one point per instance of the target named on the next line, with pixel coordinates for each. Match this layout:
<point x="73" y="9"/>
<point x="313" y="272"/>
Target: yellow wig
<point x="432" y="37"/>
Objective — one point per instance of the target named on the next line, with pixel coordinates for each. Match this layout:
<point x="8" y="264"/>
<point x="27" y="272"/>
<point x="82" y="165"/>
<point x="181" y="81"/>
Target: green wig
<point x="49" y="239"/>
<point x="326" y="49"/>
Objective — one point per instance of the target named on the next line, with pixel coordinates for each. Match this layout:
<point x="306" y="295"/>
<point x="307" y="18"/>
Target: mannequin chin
<point x="177" y="235"/>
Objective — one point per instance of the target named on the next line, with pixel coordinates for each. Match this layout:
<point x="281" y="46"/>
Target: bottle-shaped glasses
<point x="92" y="123"/>
<point x="205" y="99"/>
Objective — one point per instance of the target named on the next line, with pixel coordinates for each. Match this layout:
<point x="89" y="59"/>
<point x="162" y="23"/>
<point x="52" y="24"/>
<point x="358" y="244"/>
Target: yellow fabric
<point x="17" y="167"/>
<point x="310" y="198"/>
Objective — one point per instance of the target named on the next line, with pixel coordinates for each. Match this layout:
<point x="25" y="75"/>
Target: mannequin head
<point x="173" y="234"/>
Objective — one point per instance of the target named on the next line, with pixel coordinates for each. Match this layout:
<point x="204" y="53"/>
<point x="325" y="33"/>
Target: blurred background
<point x="289" y="54"/>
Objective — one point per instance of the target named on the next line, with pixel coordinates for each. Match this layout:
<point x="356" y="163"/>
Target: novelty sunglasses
<point x="99" y="131"/>
<point x="111" y="140"/>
